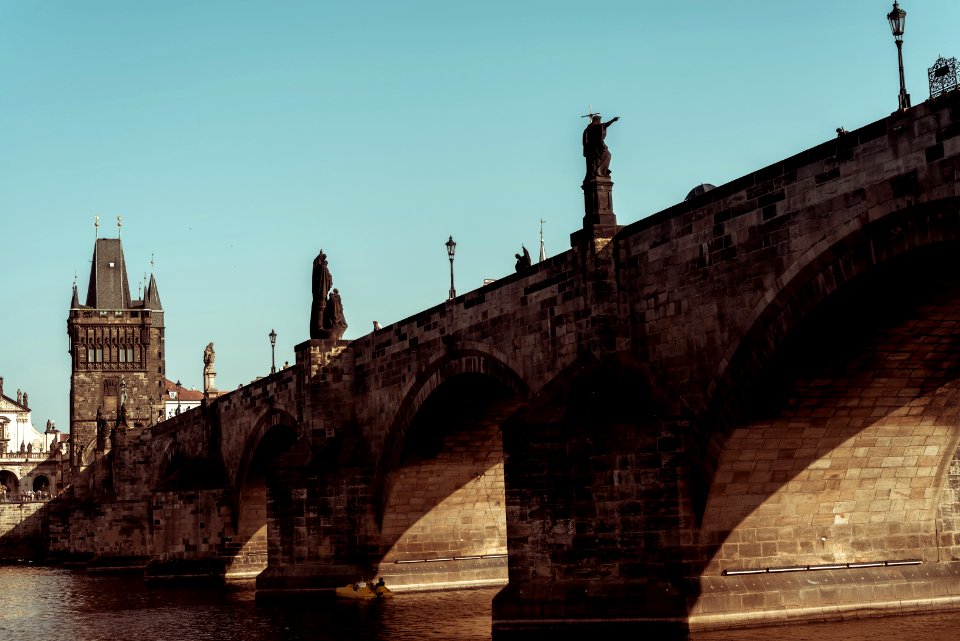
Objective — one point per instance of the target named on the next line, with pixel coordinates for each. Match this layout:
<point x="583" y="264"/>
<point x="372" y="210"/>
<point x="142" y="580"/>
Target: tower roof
<point x="151" y="298"/>
<point x="108" y="287"/>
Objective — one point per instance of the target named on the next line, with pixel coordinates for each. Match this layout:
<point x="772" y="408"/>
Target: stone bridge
<point x="740" y="410"/>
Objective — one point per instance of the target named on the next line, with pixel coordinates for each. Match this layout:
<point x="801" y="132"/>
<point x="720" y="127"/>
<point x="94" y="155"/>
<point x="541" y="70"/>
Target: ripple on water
<point x="44" y="604"/>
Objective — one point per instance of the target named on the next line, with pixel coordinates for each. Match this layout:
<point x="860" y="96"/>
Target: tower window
<point x="90" y="355"/>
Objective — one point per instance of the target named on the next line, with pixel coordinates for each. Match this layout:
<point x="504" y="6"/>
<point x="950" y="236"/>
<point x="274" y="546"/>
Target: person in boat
<point x="380" y="584"/>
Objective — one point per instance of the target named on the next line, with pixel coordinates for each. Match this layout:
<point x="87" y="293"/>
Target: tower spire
<point x="543" y="249"/>
<point x="96" y="224"/>
<point x="119" y="225"/>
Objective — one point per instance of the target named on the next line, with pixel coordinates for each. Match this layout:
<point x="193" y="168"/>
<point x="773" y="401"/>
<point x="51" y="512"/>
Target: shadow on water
<point x="45" y="603"/>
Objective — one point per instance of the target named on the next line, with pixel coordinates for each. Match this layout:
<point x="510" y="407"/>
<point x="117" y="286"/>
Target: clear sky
<point x="239" y="138"/>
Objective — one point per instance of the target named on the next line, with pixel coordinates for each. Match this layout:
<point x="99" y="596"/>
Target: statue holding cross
<point x="594" y="149"/>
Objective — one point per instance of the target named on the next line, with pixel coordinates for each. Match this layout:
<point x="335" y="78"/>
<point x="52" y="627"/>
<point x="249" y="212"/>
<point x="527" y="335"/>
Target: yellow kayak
<point x="364" y="591"/>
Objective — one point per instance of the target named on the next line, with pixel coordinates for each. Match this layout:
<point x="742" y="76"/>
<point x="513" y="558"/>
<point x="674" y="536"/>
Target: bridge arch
<point x="9" y="482"/>
<point x="470" y="359"/>
<point x="852" y="250"/>
<point x="439" y="487"/>
<point x="276" y="423"/>
<point x="246" y="539"/>
<point x="854" y="353"/>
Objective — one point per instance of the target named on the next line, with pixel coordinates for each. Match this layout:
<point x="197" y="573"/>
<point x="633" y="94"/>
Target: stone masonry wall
<point x="448" y="507"/>
<point x="533" y="323"/>
<point x="852" y="466"/>
<point x="698" y="276"/>
<point x="20" y="520"/>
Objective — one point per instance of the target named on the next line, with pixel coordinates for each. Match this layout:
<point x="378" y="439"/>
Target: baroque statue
<point x="208" y="358"/>
<point x="523" y="260"/>
<point x="322" y="282"/>
<point x="326" y="314"/>
<point x="335" y="322"/>
<point x="594" y="149"/>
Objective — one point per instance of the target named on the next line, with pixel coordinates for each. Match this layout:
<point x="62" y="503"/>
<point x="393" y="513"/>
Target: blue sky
<point x="237" y="139"/>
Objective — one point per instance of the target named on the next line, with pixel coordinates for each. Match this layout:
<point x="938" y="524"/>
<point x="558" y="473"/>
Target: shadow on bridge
<point x="441" y="507"/>
<point x="24" y="527"/>
<point x="842" y="450"/>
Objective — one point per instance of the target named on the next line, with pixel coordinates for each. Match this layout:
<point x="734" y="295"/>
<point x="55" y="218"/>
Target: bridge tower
<point x="117" y="353"/>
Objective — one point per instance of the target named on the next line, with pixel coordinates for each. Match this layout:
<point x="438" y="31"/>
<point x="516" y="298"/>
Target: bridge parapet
<point x="699" y="277"/>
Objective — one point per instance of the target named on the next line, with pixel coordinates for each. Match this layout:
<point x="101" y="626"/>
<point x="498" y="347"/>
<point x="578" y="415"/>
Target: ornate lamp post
<point x="897" y="18"/>
<point x="451" y="248"/>
<point x="179" y="387"/>
<point x="273" y="345"/>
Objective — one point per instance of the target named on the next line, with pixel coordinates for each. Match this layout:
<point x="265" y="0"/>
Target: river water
<point x="46" y="604"/>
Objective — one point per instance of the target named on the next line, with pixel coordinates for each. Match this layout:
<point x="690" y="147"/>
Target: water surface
<point x="49" y="604"/>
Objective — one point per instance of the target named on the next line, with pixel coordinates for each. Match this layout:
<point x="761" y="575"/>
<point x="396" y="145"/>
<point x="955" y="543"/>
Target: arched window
<point x="9" y="486"/>
<point x="41" y="484"/>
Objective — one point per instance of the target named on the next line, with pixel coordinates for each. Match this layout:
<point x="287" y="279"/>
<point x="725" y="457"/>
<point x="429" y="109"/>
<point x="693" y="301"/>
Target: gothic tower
<point x="117" y="352"/>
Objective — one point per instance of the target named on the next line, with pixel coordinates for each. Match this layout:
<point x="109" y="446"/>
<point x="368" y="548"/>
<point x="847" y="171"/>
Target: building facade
<point x="178" y="399"/>
<point x="17" y="433"/>
<point x="117" y="355"/>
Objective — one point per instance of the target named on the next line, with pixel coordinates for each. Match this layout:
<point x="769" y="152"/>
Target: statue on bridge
<point x="594" y="149"/>
<point x="209" y="373"/>
<point x="523" y="260"/>
<point x="334" y="321"/>
<point x="322" y="282"/>
<point x="209" y="355"/>
<point x="326" y="314"/>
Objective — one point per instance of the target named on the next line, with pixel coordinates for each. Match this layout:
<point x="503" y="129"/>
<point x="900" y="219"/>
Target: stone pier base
<point x="539" y="610"/>
<point x="452" y="574"/>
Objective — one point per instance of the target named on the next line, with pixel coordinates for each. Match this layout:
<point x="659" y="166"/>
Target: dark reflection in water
<point x="43" y="604"/>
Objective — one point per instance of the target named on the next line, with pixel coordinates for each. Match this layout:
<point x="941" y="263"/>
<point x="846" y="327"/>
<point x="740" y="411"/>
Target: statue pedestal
<point x="209" y="386"/>
<point x="599" y="221"/>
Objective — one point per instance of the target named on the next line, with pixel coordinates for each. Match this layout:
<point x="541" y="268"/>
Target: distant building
<point x="28" y="468"/>
<point x="16" y="426"/>
<point x="117" y="352"/>
<point x="176" y="401"/>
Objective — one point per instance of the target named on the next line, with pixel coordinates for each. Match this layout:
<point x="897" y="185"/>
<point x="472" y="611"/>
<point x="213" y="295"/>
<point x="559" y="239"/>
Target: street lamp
<point x="178" y="396"/>
<point x="897" y="18"/>
<point x="273" y="344"/>
<point x="451" y="248"/>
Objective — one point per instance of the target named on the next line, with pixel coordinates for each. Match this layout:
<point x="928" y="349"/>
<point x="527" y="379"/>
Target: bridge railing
<point x="26" y="456"/>
<point x="26" y="496"/>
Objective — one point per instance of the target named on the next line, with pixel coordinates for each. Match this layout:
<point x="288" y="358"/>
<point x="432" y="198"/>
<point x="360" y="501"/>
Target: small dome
<point x="702" y="188"/>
